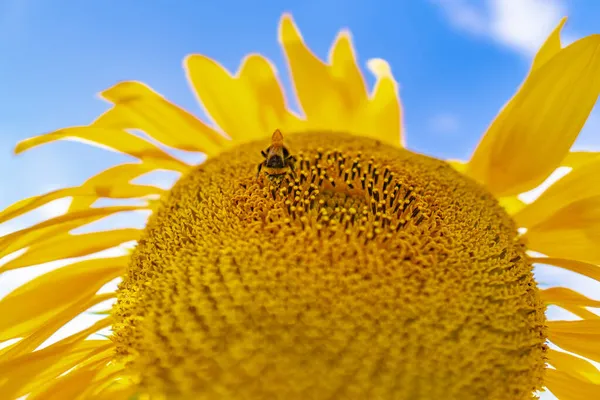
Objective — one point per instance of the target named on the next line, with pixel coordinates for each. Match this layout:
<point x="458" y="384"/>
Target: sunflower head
<point x="347" y="268"/>
<point x="367" y="275"/>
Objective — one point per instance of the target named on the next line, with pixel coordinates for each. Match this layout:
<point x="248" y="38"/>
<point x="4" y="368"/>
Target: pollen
<point x="371" y="273"/>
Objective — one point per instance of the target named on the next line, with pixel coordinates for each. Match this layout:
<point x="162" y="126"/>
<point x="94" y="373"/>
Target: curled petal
<point x="575" y="366"/>
<point x="581" y="337"/>
<point x="70" y="246"/>
<point x="23" y="312"/>
<point x="536" y="129"/>
<point x="114" y="139"/>
<point x="139" y="107"/>
<point x="567" y="387"/>
<point x="56" y="226"/>
<point x="51" y="325"/>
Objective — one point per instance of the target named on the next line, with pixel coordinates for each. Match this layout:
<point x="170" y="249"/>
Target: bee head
<point x="277" y="137"/>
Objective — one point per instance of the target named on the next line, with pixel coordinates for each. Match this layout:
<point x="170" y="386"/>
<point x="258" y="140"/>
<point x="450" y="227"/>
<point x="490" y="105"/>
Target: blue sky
<point x="457" y="62"/>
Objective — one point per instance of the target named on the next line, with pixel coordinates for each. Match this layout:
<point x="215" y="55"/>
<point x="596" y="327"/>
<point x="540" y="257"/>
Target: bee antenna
<point x="277" y="137"/>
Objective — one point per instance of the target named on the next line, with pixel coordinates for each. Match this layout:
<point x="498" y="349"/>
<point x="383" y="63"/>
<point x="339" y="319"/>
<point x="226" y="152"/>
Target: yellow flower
<point x="375" y="273"/>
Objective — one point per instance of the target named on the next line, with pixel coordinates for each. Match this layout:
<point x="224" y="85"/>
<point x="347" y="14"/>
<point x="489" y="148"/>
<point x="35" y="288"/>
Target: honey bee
<point x="278" y="161"/>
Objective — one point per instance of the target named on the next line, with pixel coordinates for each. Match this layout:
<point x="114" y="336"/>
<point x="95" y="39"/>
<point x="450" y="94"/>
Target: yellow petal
<point x="273" y="113"/>
<point x="583" y="268"/>
<point x="571" y="301"/>
<point x="20" y="375"/>
<point x="458" y="165"/>
<point x="110" y="374"/>
<point x="575" y="366"/>
<point x="580" y="337"/>
<point x="48" y="229"/>
<point x="316" y="90"/>
<point x="384" y="110"/>
<point x="18" y="372"/>
<point x="25" y="205"/>
<point x="533" y="133"/>
<point x="116" y="392"/>
<point x="334" y="96"/>
<point x="68" y="386"/>
<point x="111" y="183"/>
<point x="576" y="159"/>
<point x="73" y="384"/>
<point x="139" y="107"/>
<point x="550" y="48"/>
<point x="579" y="184"/>
<point x="581" y="312"/>
<point x="345" y="74"/>
<point x="512" y="204"/>
<point x="229" y="100"/>
<point x="54" y="322"/>
<point x="566" y="387"/>
<point x="6" y="349"/>
<point x="41" y="383"/>
<point x="115" y="139"/>
<point x="572" y="232"/>
<point x="114" y="183"/>
<point x="69" y="246"/>
<point x="561" y="295"/>
<point x="23" y="312"/>
<point x="82" y="335"/>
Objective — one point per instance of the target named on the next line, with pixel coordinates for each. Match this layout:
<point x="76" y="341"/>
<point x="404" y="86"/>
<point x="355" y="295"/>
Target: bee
<point x="278" y="161"/>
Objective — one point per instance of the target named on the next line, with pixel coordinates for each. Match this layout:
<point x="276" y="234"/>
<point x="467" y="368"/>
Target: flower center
<point x="336" y="194"/>
<point x="373" y="273"/>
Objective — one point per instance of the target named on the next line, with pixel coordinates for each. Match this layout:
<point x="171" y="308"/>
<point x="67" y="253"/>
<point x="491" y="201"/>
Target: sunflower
<point x="366" y="272"/>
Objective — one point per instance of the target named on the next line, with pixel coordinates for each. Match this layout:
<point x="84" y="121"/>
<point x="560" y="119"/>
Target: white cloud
<point x="464" y="15"/>
<point x="444" y="123"/>
<point x="522" y="25"/>
<point x="525" y="24"/>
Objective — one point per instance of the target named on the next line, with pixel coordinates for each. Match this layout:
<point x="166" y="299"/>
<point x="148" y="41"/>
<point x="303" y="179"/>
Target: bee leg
<point x="292" y="169"/>
<point x="259" y="168"/>
<point x="264" y="154"/>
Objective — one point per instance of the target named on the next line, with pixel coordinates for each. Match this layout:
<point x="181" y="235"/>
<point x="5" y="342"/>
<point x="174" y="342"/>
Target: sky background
<point x="457" y="63"/>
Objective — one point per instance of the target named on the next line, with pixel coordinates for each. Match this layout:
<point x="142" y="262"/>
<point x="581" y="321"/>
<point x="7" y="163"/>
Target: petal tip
<point x="344" y="38"/>
<point x="345" y="34"/>
<point x="286" y="18"/>
<point x="20" y="147"/>
<point x="194" y="63"/>
<point x="379" y="67"/>
<point x="197" y="58"/>
<point x="342" y="46"/>
<point x="187" y="59"/>
<point x="562" y="21"/>
<point x="258" y="62"/>
<point x="560" y="25"/>
<point x="288" y="31"/>
<point x="124" y="90"/>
